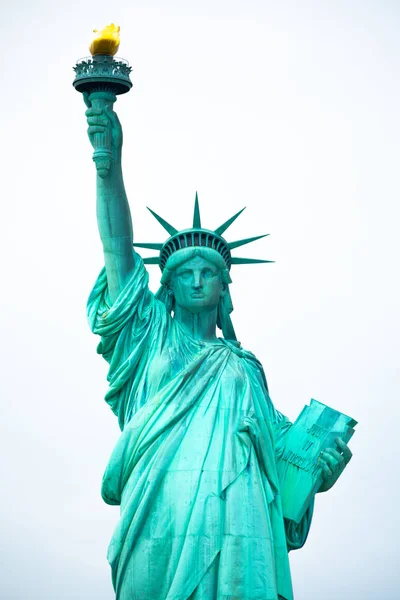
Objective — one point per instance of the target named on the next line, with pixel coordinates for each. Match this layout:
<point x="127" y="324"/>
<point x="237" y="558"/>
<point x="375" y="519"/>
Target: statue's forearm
<point x="115" y="228"/>
<point x="113" y="214"/>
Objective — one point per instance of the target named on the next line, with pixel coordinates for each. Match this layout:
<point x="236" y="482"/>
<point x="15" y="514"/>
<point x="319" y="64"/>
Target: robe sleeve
<point x="128" y="328"/>
<point x="297" y="533"/>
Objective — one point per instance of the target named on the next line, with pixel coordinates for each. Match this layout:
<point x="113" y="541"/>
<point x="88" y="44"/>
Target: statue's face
<point x="197" y="285"/>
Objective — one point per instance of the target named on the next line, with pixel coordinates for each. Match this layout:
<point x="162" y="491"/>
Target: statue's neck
<point x="201" y="326"/>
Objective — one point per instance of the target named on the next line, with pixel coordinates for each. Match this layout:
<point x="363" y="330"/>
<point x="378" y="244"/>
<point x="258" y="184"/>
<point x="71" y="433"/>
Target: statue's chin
<point x="198" y="306"/>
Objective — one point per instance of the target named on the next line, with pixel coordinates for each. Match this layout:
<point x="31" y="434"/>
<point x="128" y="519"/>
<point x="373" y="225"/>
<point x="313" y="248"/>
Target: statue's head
<point x="195" y="266"/>
<point x="196" y="279"/>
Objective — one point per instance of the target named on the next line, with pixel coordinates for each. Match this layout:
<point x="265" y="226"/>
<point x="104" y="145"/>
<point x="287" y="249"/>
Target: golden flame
<point x="105" y="41"/>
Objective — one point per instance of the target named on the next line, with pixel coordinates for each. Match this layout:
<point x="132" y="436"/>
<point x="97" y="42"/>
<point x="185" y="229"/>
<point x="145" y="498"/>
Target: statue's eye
<point x="184" y="274"/>
<point x="208" y="274"/>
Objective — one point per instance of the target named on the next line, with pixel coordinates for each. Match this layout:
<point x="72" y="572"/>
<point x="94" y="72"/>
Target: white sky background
<point x="291" y="108"/>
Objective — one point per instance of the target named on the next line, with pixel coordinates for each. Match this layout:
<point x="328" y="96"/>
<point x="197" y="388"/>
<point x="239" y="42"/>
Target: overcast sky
<point x="290" y="108"/>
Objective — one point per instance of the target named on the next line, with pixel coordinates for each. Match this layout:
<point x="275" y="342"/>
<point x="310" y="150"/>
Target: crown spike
<point x="150" y="246"/>
<point x="152" y="260"/>
<point x="196" y="215"/>
<point x="171" y="230"/>
<point x="248" y="261"/>
<point x="220" y="230"/>
<point x="233" y="245"/>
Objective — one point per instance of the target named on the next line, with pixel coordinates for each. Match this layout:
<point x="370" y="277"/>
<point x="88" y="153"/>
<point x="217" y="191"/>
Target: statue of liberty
<point x="195" y="469"/>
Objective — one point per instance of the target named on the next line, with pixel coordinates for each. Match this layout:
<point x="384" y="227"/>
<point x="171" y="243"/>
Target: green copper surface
<point x="300" y="468"/>
<point x="196" y="214"/>
<point x="200" y="469"/>
<point x="100" y="72"/>
<point x="198" y="236"/>
<point x="195" y="468"/>
<point x="100" y="79"/>
<point x="239" y="243"/>
<point x="171" y="230"/>
<point x="222" y="228"/>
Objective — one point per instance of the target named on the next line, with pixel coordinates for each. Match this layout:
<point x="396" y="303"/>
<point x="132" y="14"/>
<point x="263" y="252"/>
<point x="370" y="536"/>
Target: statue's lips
<point x="197" y="295"/>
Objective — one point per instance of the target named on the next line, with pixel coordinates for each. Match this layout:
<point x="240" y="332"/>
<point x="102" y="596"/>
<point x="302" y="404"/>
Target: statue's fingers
<point x="86" y="99"/>
<point x="95" y="129"/>
<point x="326" y="472"/>
<point x="337" y="456"/>
<point x="91" y="112"/>
<point x="112" y="116"/>
<point x="95" y="120"/>
<point x="346" y="452"/>
<point x="331" y="462"/>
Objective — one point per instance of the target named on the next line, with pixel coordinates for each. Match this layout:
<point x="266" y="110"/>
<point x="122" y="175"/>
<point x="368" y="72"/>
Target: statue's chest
<point x="166" y="364"/>
<point x="223" y="385"/>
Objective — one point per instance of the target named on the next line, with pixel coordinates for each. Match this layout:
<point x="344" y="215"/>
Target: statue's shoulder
<point x="238" y="349"/>
<point x="250" y="358"/>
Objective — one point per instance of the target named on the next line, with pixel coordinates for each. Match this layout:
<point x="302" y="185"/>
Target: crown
<point x="197" y="236"/>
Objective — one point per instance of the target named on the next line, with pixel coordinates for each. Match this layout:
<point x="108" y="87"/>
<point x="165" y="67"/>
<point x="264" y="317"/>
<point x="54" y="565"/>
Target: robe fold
<point x="194" y="471"/>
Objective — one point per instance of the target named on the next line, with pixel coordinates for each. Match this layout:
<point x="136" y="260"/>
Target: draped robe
<point x="194" y="471"/>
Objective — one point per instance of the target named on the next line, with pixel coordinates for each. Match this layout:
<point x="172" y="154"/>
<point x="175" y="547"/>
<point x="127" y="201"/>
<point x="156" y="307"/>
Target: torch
<point x="103" y="77"/>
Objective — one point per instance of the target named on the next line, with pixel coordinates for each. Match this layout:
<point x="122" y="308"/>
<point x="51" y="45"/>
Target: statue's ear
<point x="224" y="289"/>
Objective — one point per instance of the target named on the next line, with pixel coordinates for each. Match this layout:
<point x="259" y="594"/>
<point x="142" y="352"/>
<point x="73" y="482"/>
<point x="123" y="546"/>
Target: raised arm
<point x="113" y="214"/>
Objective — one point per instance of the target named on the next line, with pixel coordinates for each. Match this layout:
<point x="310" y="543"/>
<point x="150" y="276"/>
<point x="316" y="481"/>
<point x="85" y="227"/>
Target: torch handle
<point x="102" y="142"/>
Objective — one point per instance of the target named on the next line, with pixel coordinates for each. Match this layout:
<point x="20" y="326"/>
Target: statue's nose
<point x="197" y="282"/>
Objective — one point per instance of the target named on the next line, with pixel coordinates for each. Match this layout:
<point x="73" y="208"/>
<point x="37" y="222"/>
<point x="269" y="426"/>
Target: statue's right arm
<point x="113" y="214"/>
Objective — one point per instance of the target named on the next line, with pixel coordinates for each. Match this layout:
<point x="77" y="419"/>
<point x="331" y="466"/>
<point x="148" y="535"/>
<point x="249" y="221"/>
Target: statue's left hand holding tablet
<point x="333" y="462"/>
